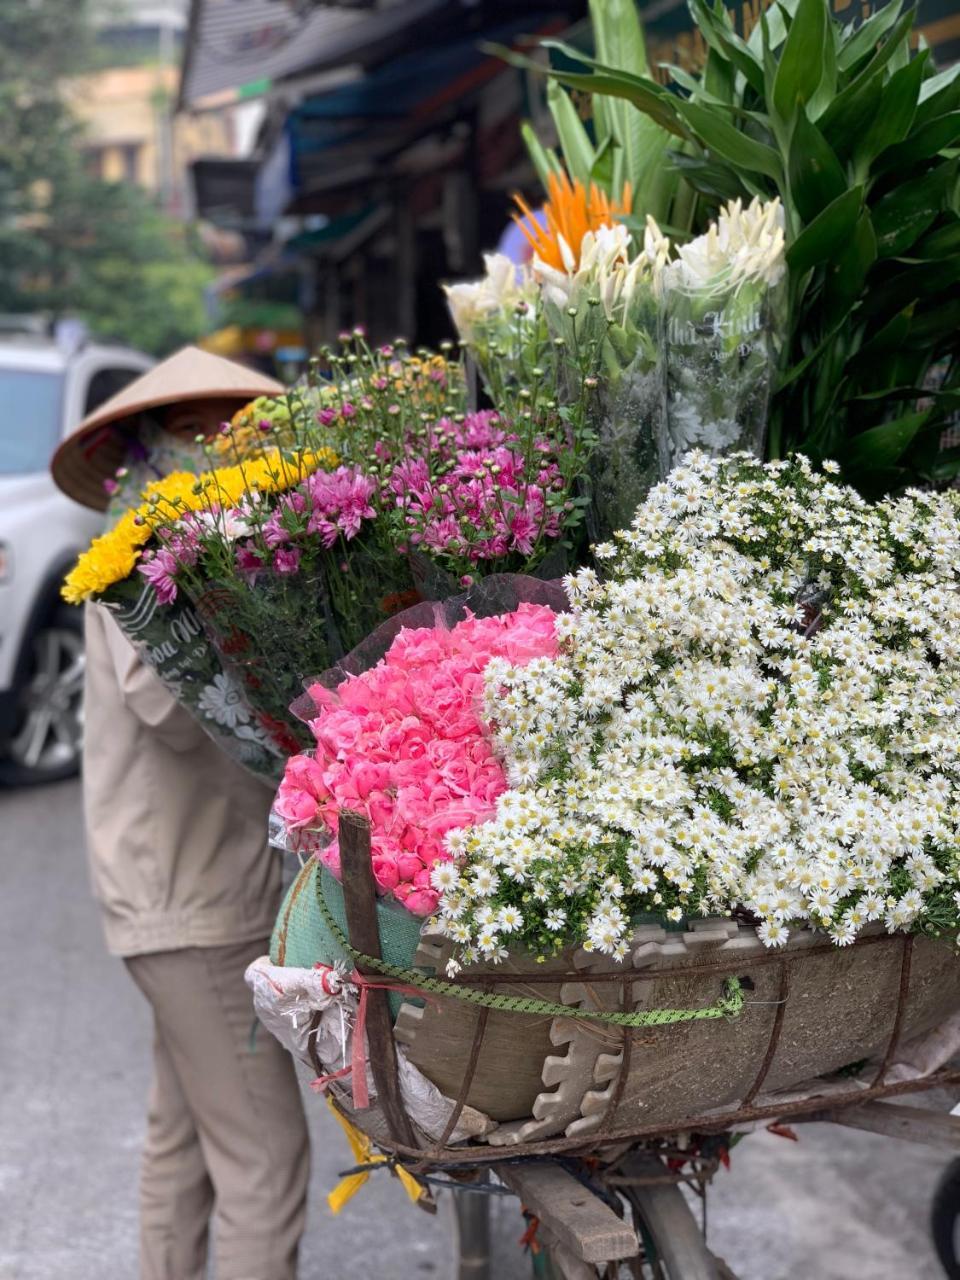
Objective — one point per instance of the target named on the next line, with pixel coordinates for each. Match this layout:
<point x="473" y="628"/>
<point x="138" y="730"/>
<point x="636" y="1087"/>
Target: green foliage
<point x="625" y="140"/>
<point x="70" y="243"/>
<point x="860" y="139"/>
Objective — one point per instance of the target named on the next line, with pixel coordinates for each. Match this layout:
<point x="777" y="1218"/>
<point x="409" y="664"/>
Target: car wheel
<point x="47" y="737"/>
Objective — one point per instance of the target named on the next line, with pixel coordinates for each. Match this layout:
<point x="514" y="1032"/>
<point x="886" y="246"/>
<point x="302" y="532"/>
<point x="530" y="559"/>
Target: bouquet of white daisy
<point x="722" y="322"/>
<point x="755" y="712"/>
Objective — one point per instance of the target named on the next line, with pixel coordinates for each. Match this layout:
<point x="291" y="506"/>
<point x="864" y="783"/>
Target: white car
<point x="46" y="388"/>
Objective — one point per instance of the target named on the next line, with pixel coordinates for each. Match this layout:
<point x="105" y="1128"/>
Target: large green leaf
<point x="646" y="94"/>
<point x="578" y="150"/>
<point x="618" y="35"/>
<point x="938" y="95"/>
<point x="941" y="243"/>
<point x="868" y="35"/>
<point x="848" y="273"/>
<point x="938" y="135"/>
<point x="602" y="169"/>
<point x="842" y="130"/>
<point x="695" y="87"/>
<point x="872" y="358"/>
<point x="815" y="175"/>
<point x="801" y="63"/>
<point x="904" y="213"/>
<point x="720" y="36"/>
<point x="934" y="324"/>
<point x="883" y="446"/>
<point x="826" y="236"/>
<point x="892" y="122"/>
<point x="544" y="161"/>
<point x="715" y="180"/>
<point x="826" y="90"/>
<point x="639" y="140"/>
<point x="767" y="46"/>
<point x="855" y="106"/>
<point x="719" y="80"/>
<point x="912" y="282"/>
<point x="722" y="138"/>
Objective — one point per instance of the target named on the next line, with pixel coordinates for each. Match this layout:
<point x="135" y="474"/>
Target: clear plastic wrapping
<point x="720" y="350"/>
<point x="172" y="641"/>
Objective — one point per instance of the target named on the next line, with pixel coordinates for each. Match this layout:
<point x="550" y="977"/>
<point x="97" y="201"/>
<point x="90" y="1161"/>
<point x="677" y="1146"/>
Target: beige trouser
<point x="226" y="1132"/>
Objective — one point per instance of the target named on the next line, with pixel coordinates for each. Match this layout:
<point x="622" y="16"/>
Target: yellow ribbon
<point x="363" y="1153"/>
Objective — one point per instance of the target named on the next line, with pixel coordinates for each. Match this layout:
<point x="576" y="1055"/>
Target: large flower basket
<point x="693" y="1027"/>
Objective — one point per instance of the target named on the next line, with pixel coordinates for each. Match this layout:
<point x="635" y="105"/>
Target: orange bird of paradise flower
<point x="571" y="211"/>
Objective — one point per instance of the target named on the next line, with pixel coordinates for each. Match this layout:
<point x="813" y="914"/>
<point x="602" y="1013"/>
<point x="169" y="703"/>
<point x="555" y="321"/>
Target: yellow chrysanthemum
<point x="113" y="556"/>
<point x="109" y="559"/>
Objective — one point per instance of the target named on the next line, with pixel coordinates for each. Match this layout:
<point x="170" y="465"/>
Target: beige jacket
<point x="176" y="832"/>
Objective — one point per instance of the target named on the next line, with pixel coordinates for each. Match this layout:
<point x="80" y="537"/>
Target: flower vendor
<point x="176" y="833"/>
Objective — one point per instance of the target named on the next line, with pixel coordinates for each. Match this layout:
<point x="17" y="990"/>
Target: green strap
<point x="729" y="1005"/>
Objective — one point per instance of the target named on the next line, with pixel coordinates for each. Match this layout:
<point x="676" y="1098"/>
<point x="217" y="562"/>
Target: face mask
<point x="152" y="454"/>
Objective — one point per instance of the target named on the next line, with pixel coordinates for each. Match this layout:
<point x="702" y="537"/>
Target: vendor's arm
<point x="141" y="691"/>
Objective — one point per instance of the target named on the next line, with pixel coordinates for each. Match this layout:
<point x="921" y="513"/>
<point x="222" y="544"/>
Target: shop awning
<point x="349" y="133"/>
<point x="237" y="49"/>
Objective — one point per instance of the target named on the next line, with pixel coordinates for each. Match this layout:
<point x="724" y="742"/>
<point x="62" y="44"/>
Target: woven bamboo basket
<point x="566" y="1082"/>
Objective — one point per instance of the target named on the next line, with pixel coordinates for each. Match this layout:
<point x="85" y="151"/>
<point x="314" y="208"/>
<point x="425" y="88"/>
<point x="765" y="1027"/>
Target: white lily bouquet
<point x="722" y="323"/>
<point x="601" y="311"/>
<point x="755" y="710"/>
<point x="499" y="321"/>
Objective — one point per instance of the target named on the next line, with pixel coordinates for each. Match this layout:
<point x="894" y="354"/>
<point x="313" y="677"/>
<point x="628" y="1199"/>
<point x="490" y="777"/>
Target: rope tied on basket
<point x="357" y="1069"/>
<point x="413" y="982"/>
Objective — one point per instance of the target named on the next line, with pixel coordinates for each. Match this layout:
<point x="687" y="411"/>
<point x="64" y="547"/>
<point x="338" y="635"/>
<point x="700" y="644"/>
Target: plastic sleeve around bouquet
<point x="623" y="410"/>
<point x="262" y="632"/>
<point x="498" y="594"/>
<point x="171" y="641"/>
<point x="507" y="346"/>
<point x="720" y="349"/>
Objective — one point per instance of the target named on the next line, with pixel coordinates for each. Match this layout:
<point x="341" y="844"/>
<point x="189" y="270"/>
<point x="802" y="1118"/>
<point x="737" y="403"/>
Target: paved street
<point x="74" y="1059"/>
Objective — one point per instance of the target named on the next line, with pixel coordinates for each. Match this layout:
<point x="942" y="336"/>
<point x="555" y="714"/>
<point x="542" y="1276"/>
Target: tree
<point x="69" y="242"/>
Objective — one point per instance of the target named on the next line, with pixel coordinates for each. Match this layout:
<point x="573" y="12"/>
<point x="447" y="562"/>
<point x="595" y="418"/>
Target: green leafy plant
<point x="619" y="142"/>
<point x="858" y="136"/>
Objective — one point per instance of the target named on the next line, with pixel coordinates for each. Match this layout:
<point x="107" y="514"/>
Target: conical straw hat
<point x="93" y="452"/>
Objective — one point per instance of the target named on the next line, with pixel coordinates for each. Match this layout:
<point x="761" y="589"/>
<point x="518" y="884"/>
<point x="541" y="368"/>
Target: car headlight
<point x="6" y="563"/>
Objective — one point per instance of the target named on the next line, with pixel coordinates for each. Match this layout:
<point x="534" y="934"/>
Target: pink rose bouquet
<point x="403" y="743"/>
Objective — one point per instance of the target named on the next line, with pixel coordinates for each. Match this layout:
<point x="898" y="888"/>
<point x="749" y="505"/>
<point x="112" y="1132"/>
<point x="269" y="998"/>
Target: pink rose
<point x="403" y="743"/>
<point x="296" y="808"/>
<point x="300" y="791"/>
<point x="385" y="871"/>
<point x="419" y="902"/>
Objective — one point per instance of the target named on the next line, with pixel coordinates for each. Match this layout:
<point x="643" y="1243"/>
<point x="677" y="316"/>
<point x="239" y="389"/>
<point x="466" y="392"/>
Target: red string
<point x="358" y="1057"/>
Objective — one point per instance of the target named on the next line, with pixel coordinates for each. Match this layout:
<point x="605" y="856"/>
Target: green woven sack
<point x="302" y="938"/>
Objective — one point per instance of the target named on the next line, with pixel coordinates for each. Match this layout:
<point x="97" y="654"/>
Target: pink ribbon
<point x="358" y="1057"/>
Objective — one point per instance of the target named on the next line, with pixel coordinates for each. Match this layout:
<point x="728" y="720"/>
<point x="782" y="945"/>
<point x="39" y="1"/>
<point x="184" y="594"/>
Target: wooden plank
<point x="669" y="1219"/>
<point x="360" y="902"/>
<point x="574" y="1215"/>
<point x="913" y="1124"/>
<point x="566" y="1265"/>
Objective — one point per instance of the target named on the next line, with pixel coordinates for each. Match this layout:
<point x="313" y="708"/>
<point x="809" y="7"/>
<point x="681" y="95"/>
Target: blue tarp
<point x="396" y="93"/>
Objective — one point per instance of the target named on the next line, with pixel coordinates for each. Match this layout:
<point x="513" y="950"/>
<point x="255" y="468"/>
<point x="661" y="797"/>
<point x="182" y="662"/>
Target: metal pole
<point x="473" y="1233"/>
